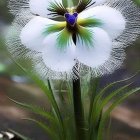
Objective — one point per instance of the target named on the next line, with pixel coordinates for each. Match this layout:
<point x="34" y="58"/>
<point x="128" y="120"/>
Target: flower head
<point x="65" y="41"/>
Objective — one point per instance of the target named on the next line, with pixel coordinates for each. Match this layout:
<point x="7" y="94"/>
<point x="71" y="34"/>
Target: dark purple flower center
<point x="71" y="18"/>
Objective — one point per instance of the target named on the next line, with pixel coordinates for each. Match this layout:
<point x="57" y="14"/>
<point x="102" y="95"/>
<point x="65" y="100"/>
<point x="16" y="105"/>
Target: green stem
<point x="78" y="111"/>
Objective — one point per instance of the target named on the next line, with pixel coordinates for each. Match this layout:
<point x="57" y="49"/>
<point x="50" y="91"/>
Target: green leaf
<point x="69" y="88"/>
<point x="110" y="109"/>
<point x="43" y="85"/>
<point x="96" y="113"/>
<point x="105" y="101"/>
<point x="47" y="129"/>
<point x="101" y="93"/>
<point x="93" y="95"/>
<point x="98" y="99"/>
<point x="36" y="110"/>
<point x="108" y="132"/>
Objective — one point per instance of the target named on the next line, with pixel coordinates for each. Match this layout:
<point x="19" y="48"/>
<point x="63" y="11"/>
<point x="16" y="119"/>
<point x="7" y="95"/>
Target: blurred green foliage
<point x="137" y="2"/>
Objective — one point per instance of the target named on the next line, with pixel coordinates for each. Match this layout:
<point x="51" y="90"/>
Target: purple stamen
<point x="71" y="18"/>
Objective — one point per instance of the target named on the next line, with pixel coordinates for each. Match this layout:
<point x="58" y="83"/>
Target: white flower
<point x="65" y="41"/>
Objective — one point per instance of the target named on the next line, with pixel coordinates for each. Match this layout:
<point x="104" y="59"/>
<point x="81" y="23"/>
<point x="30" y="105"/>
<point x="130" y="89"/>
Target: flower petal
<point x="33" y="34"/>
<point x="97" y="54"/>
<point x="56" y="58"/>
<point x="112" y="20"/>
<point x="41" y="7"/>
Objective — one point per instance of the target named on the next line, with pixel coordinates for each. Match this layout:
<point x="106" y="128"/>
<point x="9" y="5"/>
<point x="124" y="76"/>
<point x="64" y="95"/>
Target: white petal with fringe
<point x="41" y="7"/>
<point x="32" y="35"/>
<point x="57" y="59"/>
<point x="113" y="25"/>
<point x="97" y="54"/>
<point x="112" y="20"/>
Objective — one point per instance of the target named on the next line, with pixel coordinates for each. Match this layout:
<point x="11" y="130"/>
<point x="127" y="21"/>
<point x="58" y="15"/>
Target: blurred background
<point x="15" y="84"/>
